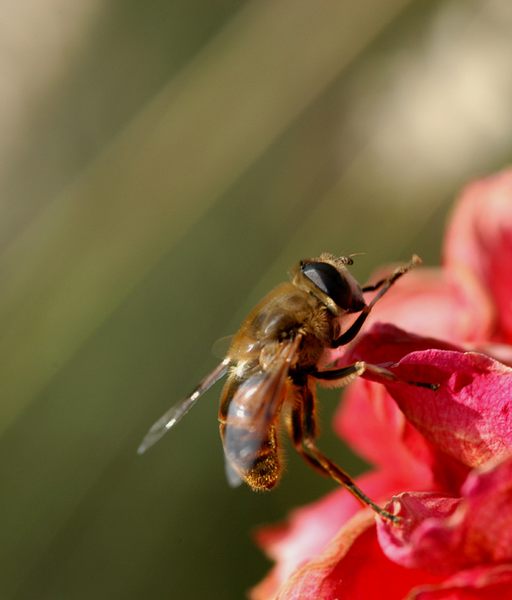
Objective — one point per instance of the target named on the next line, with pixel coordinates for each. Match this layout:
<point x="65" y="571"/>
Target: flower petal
<point x="479" y="239"/>
<point x="446" y="304"/>
<point x="480" y="583"/>
<point x="430" y="536"/>
<point x="371" y="422"/>
<point x="489" y="498"/>
<point x="387" y="344"/>
<point x="470" y="416"/>
<point x="444" y="534"/>
<point x="353" y="566"/>
<point x="310" y="528"/>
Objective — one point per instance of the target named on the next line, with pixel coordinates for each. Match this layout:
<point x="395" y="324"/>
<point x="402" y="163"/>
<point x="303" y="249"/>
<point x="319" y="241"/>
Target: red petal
<point x="310" y="528"/>
<point x="352" y="567"/>
<point x="383" y="436"/>
<point x="430" y="536"/>
<point x="479" y="239"/>
<point x="470" y="416"/>
<point x="387" y="344"/>
<point x="445" y="304"/>
<point x="489" y="497"/>
<point x="446" y="534"/>
<point x="480" y="583"/>
<point x="500" y="352"/>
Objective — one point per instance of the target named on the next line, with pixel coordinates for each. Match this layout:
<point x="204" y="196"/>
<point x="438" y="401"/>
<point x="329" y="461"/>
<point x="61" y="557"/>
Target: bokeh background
<point x="162" y="165"/>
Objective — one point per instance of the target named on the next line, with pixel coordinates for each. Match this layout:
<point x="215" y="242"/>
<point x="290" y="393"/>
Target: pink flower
<point x="442" y="459"/>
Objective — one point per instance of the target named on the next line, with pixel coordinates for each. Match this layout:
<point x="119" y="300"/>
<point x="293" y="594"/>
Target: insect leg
<point x="345" y="375"/>
<point x="384" y="286"/>
<point x="372" y="287"/>
<point x="303" y="434"/>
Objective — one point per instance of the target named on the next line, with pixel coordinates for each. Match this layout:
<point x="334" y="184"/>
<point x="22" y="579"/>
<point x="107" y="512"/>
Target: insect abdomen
<point x="248" y="435"/>
<point x="257" y="463"/>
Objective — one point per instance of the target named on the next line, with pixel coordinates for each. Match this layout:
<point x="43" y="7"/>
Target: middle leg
<point x="383" y="286"/>
<point x="344" y="375"/>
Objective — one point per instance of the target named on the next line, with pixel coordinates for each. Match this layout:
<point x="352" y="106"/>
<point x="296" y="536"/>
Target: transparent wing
<point x="253" y="408"/>
<point x="221" y="346"/>
<point x="233" y="478"/>
<point x="179" y="410"/>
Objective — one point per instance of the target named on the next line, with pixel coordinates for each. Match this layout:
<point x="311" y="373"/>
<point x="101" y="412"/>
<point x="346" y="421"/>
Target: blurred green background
<point x="162" y="165"/>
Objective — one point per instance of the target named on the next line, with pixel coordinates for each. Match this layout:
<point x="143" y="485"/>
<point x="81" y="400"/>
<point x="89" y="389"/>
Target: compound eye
<point x="329" y="280"/>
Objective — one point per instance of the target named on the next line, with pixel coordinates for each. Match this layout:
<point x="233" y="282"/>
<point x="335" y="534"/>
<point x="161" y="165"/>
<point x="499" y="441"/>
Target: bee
<point x="272" y="369"/>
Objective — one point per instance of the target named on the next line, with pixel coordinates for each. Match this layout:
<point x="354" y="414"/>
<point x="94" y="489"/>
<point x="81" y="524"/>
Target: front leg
<point x="384" y="285"/>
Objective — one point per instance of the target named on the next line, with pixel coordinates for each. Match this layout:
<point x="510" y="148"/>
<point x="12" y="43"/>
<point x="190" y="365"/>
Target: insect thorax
<point x="281" y="315"/>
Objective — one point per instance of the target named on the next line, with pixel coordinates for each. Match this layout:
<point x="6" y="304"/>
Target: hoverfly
<point x="272" y="369"/>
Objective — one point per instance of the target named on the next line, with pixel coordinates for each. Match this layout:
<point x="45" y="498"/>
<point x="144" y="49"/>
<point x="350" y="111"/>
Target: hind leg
<point x="302" y="426"/>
